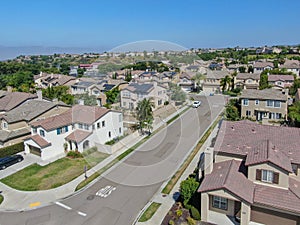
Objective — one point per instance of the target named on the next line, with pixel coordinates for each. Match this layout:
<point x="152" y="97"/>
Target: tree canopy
<point x="144" y="114"/>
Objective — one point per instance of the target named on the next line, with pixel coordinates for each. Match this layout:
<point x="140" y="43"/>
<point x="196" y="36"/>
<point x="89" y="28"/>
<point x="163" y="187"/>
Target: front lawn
<point x="62" y="171"/>
<point x="1" y="198"/>
<point x="149" y="212"/>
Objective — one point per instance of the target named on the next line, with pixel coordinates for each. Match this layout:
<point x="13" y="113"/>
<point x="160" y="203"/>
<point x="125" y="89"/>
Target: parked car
<point x="10" y="160"/>
<point x="196" y="104"/>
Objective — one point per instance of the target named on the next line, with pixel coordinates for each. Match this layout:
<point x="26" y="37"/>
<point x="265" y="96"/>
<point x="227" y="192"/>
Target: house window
<point x="277" y="104"/>
<point x="248" y="113"/>
<point x="93" y="127"/>
<point x="159" y="102"/>
<point x="4" y="125"/>
<point x="220" y="203"/>
<point x="109" y="134"/>
<point x="80" y="125"/>
<point x="124" y="104"/>
<point x="62" y="130"/>
<point x="98" y="125"/>
<point x="103" y="123"/>
<point x="245" y="102"/>
<point x="270" y="103"/>
<point x="42" y="133"/>
<point x="278" y="116"/>
<point x="120" y="130"/>
<point x="256" y="102"/>
<point x="86" y="126"/>
<point x="267" y="176"/>
<point x="34" y="130"/>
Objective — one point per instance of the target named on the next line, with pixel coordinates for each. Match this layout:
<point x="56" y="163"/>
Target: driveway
<point x="29" y="159"/>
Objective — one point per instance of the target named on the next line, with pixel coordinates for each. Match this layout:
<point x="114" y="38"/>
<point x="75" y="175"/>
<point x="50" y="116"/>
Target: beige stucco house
<point x="247" y="80"/>
<point x="252" y="175"/>
<point x="212" y="81"/>
<point x="264" y="105"/>
<point x="136" y="92"/>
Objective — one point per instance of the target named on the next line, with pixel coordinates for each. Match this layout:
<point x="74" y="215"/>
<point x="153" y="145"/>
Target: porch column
<point x="245" y="213"/>
<point x="204" y="207"/>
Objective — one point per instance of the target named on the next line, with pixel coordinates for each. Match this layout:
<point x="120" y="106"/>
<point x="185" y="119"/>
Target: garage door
<point x="35" y="150"/>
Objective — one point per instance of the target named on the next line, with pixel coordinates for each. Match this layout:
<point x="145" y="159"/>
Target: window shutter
<point x="276" y="178"/>
<point x="258" y="174"/>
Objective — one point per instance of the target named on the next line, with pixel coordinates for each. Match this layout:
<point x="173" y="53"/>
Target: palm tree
<point x="225" y="83"/>
<point x="197" y="80"/>
<point x="144" y="113"/>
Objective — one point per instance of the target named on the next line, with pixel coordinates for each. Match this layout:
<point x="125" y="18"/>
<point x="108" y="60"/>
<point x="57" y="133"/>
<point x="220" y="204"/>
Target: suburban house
<point x="264" y="105"/>
<point x="291" y="66"/>
<point x="280" y="82"/>
<point x="44" y="80"/>
<point x="15" y="123"/>
<point x="247" y="80"/>
<point x="79" y="128"/>
<point x="212" y="81"/>
<point x="252" y="175"/>
<point x="136" y="92"/>
<point x="260" y="66"/>
<point x="185" y="81"/>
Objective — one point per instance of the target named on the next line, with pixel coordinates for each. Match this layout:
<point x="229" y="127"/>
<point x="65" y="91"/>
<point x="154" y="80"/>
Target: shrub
<point x="171" y="222"/>
<point x="179" y="213"/>
<point x="11" y="150"/>
<point x="195" y="213"/>
<point x="191" y="221"/>
<point x="111" y="142"/>
<point x="166" y="103"/>
<point x="74" y="154"/>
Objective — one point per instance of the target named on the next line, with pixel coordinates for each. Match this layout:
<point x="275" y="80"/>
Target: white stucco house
<point x="79" y="128"/>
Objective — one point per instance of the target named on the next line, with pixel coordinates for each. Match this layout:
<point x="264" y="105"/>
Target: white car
<point x="196" y="104"/>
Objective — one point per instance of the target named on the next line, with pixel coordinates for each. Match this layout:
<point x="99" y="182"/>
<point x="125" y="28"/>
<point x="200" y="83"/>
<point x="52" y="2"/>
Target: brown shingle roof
<point x="241" y="137"/>
<point x="13" y="99"/>
<point x="275" y="77"/>
<point x="266" y="94"/>
<point x="40" y="141"/>
<point x="226" y="175"/>
<point x="263" y="64"/>
<point x="267" y="152"/>
<point x="245" y="76"/>
<point x="77" y="114"/>
<point x="78" y="135"/>
<point x="277" y="198"/>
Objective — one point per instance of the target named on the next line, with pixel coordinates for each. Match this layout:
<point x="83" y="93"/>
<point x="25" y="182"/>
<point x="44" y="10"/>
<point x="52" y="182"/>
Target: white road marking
<point x="63" y="205"/>
<point x="82" y="214"/>
<point x="104" y="192"/>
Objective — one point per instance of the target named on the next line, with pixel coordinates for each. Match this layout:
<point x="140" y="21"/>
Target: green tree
<point x="294" y="114"/>
<point x="197" y="80"/>
<point x="263" y="82"/>
<point x="294" y="87"/>
<point x="232" y="110"/>
<point x="177" y="94"/>
<point x="144" y="113"/>
<point x="112" y="96"/>
<point x="88" y="99"/>
<point x="60" y="93"/>
<point x="188" y="188"/>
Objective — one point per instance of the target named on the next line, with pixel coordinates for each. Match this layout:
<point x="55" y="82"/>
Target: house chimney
<point x="9" y="88"/>
<point x="39" y="94"/>
<point x="208" y="160"/>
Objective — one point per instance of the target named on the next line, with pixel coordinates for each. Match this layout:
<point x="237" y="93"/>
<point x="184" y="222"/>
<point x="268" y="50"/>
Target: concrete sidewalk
<point x="168" y="200"/>
<point x="15" y="200"/>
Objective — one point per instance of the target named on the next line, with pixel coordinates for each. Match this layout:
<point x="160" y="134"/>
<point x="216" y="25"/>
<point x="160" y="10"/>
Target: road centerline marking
<point x="63" y="205"/>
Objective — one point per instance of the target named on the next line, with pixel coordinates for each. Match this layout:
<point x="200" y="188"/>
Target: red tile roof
<point x="40" y="141"/>
<point x="267" y="152"/>
<point x="277" y="198"/>
<point x="78" y="136"/>
<point x="77" y="114"/>
<point x="242" y="137"/>
<point x="226" y="175"/>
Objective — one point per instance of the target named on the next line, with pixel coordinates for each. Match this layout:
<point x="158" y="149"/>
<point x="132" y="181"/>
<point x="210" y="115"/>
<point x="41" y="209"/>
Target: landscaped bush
<point x="195" y="213"/>
<point x="74" y="154"/>
<point x="11" y="150"/>
<point x="191" y="221"/>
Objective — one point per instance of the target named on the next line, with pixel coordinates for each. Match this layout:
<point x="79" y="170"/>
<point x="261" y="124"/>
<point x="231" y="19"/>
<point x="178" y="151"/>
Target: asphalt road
<point x="133" y="182"/>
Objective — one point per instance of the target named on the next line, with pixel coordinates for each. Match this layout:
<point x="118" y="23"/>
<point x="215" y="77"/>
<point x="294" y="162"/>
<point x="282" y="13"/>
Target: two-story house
<point x="212" y="81"/>
<point x="79" y="128"/>
<point x="252" y="175"/>
<point x="15" y="123"/>
<point x="280" y="82"/>
<point x="45" y="80"/>
<point x="291" y="66"/>
<point x="247" y="80"/>
<point x="185" y="81"/>
<point x="260" y="66"/>
<point x="136" y="92"/>
<point x="264" y="105"/>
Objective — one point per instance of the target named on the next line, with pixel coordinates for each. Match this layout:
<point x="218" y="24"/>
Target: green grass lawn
<point x="149" y="212"/>
<point x="1" y="198"/>
<point x="62" y="171"/>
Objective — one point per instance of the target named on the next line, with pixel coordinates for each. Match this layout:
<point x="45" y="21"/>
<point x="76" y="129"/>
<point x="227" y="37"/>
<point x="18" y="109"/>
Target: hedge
<point x="11" y="150"/>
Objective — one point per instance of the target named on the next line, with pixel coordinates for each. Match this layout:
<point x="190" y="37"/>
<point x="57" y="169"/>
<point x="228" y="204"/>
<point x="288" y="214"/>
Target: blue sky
<point x="190" y="23"/>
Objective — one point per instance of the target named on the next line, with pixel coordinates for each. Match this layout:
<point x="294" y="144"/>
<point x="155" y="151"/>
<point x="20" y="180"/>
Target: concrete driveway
<point x="29" y="159"/>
